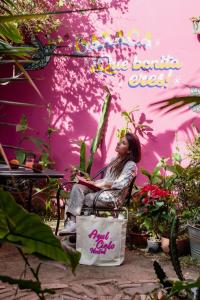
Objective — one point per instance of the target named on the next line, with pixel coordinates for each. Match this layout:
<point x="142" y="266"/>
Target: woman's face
<point x="122" y="147"/>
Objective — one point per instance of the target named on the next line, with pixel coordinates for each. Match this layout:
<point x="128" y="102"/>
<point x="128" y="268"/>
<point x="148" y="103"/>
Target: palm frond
<point x="176" y="103"/>
<point x="17" y="18"/>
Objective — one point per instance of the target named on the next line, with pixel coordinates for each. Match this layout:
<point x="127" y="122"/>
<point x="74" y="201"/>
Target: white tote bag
<point x="101" y="241"/>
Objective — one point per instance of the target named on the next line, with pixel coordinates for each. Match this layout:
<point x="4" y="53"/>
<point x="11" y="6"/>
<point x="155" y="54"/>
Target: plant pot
<point x="139" y="239"/>
<point x="183" y="246"/>
<point x="164" y="244"/>
<point x="194" y="236"/>
<point x="153" y="245"/>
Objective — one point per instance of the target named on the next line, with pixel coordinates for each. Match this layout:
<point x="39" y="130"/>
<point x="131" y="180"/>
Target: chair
<point x="95" y="210"/>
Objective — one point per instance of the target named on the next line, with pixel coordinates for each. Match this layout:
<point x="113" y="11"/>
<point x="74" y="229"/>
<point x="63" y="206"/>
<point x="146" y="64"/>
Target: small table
<point x="23" y="173"/>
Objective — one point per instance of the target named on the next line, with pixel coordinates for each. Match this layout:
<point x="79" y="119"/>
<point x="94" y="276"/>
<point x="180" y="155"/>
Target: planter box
<point x="194" y="235"/>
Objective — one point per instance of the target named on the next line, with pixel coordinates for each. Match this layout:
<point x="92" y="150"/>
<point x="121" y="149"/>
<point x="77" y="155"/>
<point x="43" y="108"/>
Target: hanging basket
<point x="196" y="25"/>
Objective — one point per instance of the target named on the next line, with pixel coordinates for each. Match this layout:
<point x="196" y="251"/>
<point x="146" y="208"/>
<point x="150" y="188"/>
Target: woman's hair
<point x="133" y="155"/>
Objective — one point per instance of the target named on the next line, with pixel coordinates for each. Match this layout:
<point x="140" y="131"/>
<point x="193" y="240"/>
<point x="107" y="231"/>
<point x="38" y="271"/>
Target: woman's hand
<point x="103" y="185"/>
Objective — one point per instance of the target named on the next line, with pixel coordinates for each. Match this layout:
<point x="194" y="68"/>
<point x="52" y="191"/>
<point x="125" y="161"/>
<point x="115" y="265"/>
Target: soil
<point x="124" y="282"/>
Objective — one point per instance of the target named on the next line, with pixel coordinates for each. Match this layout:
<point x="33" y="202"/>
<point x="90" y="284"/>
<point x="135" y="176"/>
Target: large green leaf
<point x="10" y="30"/>
<point x="100" y="131"/>
<point x="83" y="156"/>
<point x="179" y="286"/>
<point x="8" y="49"/>
<point x="24" y="229"/>
<point x="16" y="18"/>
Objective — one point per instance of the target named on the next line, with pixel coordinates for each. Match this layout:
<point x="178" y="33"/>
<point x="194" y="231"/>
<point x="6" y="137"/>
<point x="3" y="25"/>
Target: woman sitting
<point x="119" y="175"/>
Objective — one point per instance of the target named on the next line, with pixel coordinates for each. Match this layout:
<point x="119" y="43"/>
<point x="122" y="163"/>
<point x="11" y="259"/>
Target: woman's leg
<point x="74" y="206"/>
<point x="76" y="200"/>
<point x="105" y="199"/>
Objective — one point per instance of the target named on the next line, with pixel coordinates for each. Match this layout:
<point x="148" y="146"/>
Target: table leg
<point x="58" y="209"/>
<point x="30" y="195"/>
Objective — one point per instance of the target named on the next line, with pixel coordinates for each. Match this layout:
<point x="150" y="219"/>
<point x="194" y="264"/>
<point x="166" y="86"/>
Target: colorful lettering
<point x="102" y="243"/>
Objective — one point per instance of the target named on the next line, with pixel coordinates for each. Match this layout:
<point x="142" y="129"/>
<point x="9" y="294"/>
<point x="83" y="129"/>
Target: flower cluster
<point x="150" y="193"/>
<point x="156" y="208"/>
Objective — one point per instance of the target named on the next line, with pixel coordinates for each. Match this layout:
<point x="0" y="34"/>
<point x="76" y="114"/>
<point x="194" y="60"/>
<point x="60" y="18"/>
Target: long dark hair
<point x="133" y="155"/>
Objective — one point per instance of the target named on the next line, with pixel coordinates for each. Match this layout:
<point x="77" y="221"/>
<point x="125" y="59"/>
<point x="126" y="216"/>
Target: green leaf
<point x="100" y="131"/>
<point x="23" y="124"/>
<point x="24" y="229"/>
<point x="176" y="157"/>
<point x="20" y="156"/>
<point x="183" y="285"/>
<point x="44" y="159"/>
<point x="83" y="156"/>
<point x="17" y="18"/>
<point x="146" y="173"/>
<point x="23" y="284"/>
<point x="12" y="32"/>
<point x="9" y="3"/>
<point x="39" y="143"/>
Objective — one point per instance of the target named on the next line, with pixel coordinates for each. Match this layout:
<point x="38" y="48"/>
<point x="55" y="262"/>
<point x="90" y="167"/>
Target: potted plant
<point x="187" y="186"/>
<point x="156" y="209"/>
<point x="136" y="233"/>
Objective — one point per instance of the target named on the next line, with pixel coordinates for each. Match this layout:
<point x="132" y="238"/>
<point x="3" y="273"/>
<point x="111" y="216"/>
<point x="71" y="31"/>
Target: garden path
<point x="136" y="275"/>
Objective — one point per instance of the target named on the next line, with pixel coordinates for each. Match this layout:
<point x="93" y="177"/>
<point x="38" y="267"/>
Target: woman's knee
<point x="76" y="187"/>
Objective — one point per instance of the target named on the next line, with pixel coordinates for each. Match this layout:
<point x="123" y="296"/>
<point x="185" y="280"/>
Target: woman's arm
<point x="103" y="185"/>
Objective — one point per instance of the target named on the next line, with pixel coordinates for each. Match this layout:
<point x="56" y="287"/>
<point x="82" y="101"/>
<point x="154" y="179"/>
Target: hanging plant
<point x="196" y="24"/>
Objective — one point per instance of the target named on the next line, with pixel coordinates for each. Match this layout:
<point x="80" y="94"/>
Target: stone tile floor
<point x="135" y="276"/>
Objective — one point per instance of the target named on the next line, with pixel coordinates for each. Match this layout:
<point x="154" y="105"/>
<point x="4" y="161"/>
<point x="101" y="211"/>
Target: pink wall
<point x="147" y="32"/>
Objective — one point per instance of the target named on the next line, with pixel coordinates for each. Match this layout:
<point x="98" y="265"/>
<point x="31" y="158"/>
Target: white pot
<point x="153" y="245"/>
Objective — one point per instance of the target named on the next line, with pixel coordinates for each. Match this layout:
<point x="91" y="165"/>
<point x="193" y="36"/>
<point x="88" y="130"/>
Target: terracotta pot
<point x="183" y="246"/>
<point x="165" y="244"/>
<point x="139" y="239"/>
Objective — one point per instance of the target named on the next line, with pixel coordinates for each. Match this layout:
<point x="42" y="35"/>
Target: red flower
<point x="151" y="193"/>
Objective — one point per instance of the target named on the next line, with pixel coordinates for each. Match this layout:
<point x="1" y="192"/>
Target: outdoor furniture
<point x="95" y="209"/>
<point x="28" y="174"/>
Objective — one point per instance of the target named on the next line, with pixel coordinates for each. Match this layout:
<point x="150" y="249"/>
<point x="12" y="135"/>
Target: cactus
<point x="173" y="251"/>
<point x="162" y="276"/>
